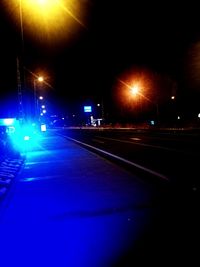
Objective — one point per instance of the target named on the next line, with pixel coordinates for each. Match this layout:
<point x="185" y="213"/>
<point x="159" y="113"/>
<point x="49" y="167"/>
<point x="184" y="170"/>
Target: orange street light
<point x="135" y="90"/>
<point x="39" y="79"/>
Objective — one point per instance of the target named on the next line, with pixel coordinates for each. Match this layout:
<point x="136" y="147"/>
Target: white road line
<point x="98" y="141"/>
<point x="136" y="139"/>
<point x="122" y="159"/>
<point x="139" y="144"/>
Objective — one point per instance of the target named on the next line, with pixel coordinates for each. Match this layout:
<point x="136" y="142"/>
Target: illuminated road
<point x="71" y="207"/>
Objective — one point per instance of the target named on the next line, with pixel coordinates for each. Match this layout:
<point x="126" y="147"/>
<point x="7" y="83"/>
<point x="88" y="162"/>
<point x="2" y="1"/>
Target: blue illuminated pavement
<point x="70" y="207"/>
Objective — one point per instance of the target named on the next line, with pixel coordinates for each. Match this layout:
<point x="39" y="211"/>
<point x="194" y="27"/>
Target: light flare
<point x="42" y="2"/>
<point x="133" y="88"/>
<point x="48" y="19"/>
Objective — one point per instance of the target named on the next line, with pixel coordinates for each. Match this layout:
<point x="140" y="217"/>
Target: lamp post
<point x="39" y="79"/>
<point x="20" y="58"/>
<point x="156" y="106"/>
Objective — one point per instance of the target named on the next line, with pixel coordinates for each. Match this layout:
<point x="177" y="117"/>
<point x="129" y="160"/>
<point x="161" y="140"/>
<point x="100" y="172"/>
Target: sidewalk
<point x="9" y="167"/>
<point x="70" y="207"/>
<point x="10" y="163"/>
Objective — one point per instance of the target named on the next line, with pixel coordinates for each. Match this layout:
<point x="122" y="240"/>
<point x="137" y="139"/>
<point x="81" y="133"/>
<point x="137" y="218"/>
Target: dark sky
<point x="118" y="35"/>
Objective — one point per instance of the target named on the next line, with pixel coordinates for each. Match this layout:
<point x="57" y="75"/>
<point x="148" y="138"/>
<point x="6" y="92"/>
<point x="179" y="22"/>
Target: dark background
<point x="162" y="37"/>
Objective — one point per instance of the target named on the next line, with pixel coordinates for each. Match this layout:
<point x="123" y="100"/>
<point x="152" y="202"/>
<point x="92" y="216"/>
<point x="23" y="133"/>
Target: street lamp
<point x="101" y="110"/>
<point x="39" y="79"/>
<point x="135" y="91"/>
<point x="49" y="17"/>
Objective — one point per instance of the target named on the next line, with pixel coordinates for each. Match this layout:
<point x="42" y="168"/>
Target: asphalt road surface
<point x="171" y="155"/>
<point x="72" y="207"/>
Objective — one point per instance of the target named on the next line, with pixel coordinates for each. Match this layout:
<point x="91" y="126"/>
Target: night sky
<point x="161" y="37"/>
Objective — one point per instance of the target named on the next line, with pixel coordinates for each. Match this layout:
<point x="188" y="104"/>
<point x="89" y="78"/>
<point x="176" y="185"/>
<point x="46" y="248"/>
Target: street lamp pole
<point x="135" y="91"/>
<point x="35" y="99"/>
<point x="19" y="91"/>
<point x="39" y="79"/>
<point x="19" y="66"/>
<point x="156" y="105"/>
<point x="157" y="112"/>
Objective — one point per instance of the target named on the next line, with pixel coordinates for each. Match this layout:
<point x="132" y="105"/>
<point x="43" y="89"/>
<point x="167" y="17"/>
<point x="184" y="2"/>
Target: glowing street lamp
<point x="135" y="90"/>
<point x="39" y="79"/>
<point x="42" y="2"/>
<point x="48" y="17"/>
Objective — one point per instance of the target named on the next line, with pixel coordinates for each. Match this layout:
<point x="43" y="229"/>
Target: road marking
<point x="139" y="144"/>
<point x="98" y="141"/>
<point x="136" y="139"/>
<point x="157" y="174"/>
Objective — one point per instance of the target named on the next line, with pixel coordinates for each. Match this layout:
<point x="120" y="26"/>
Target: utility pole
<point x="19" y="87"/>
<point x="20" y="67"/>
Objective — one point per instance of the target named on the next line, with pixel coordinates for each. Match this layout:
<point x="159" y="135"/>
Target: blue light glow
<point x="58" y="215"/>
<point x="25" y="137"/>
<point x="11" y="129"/>
<point x="8" y="121"/>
